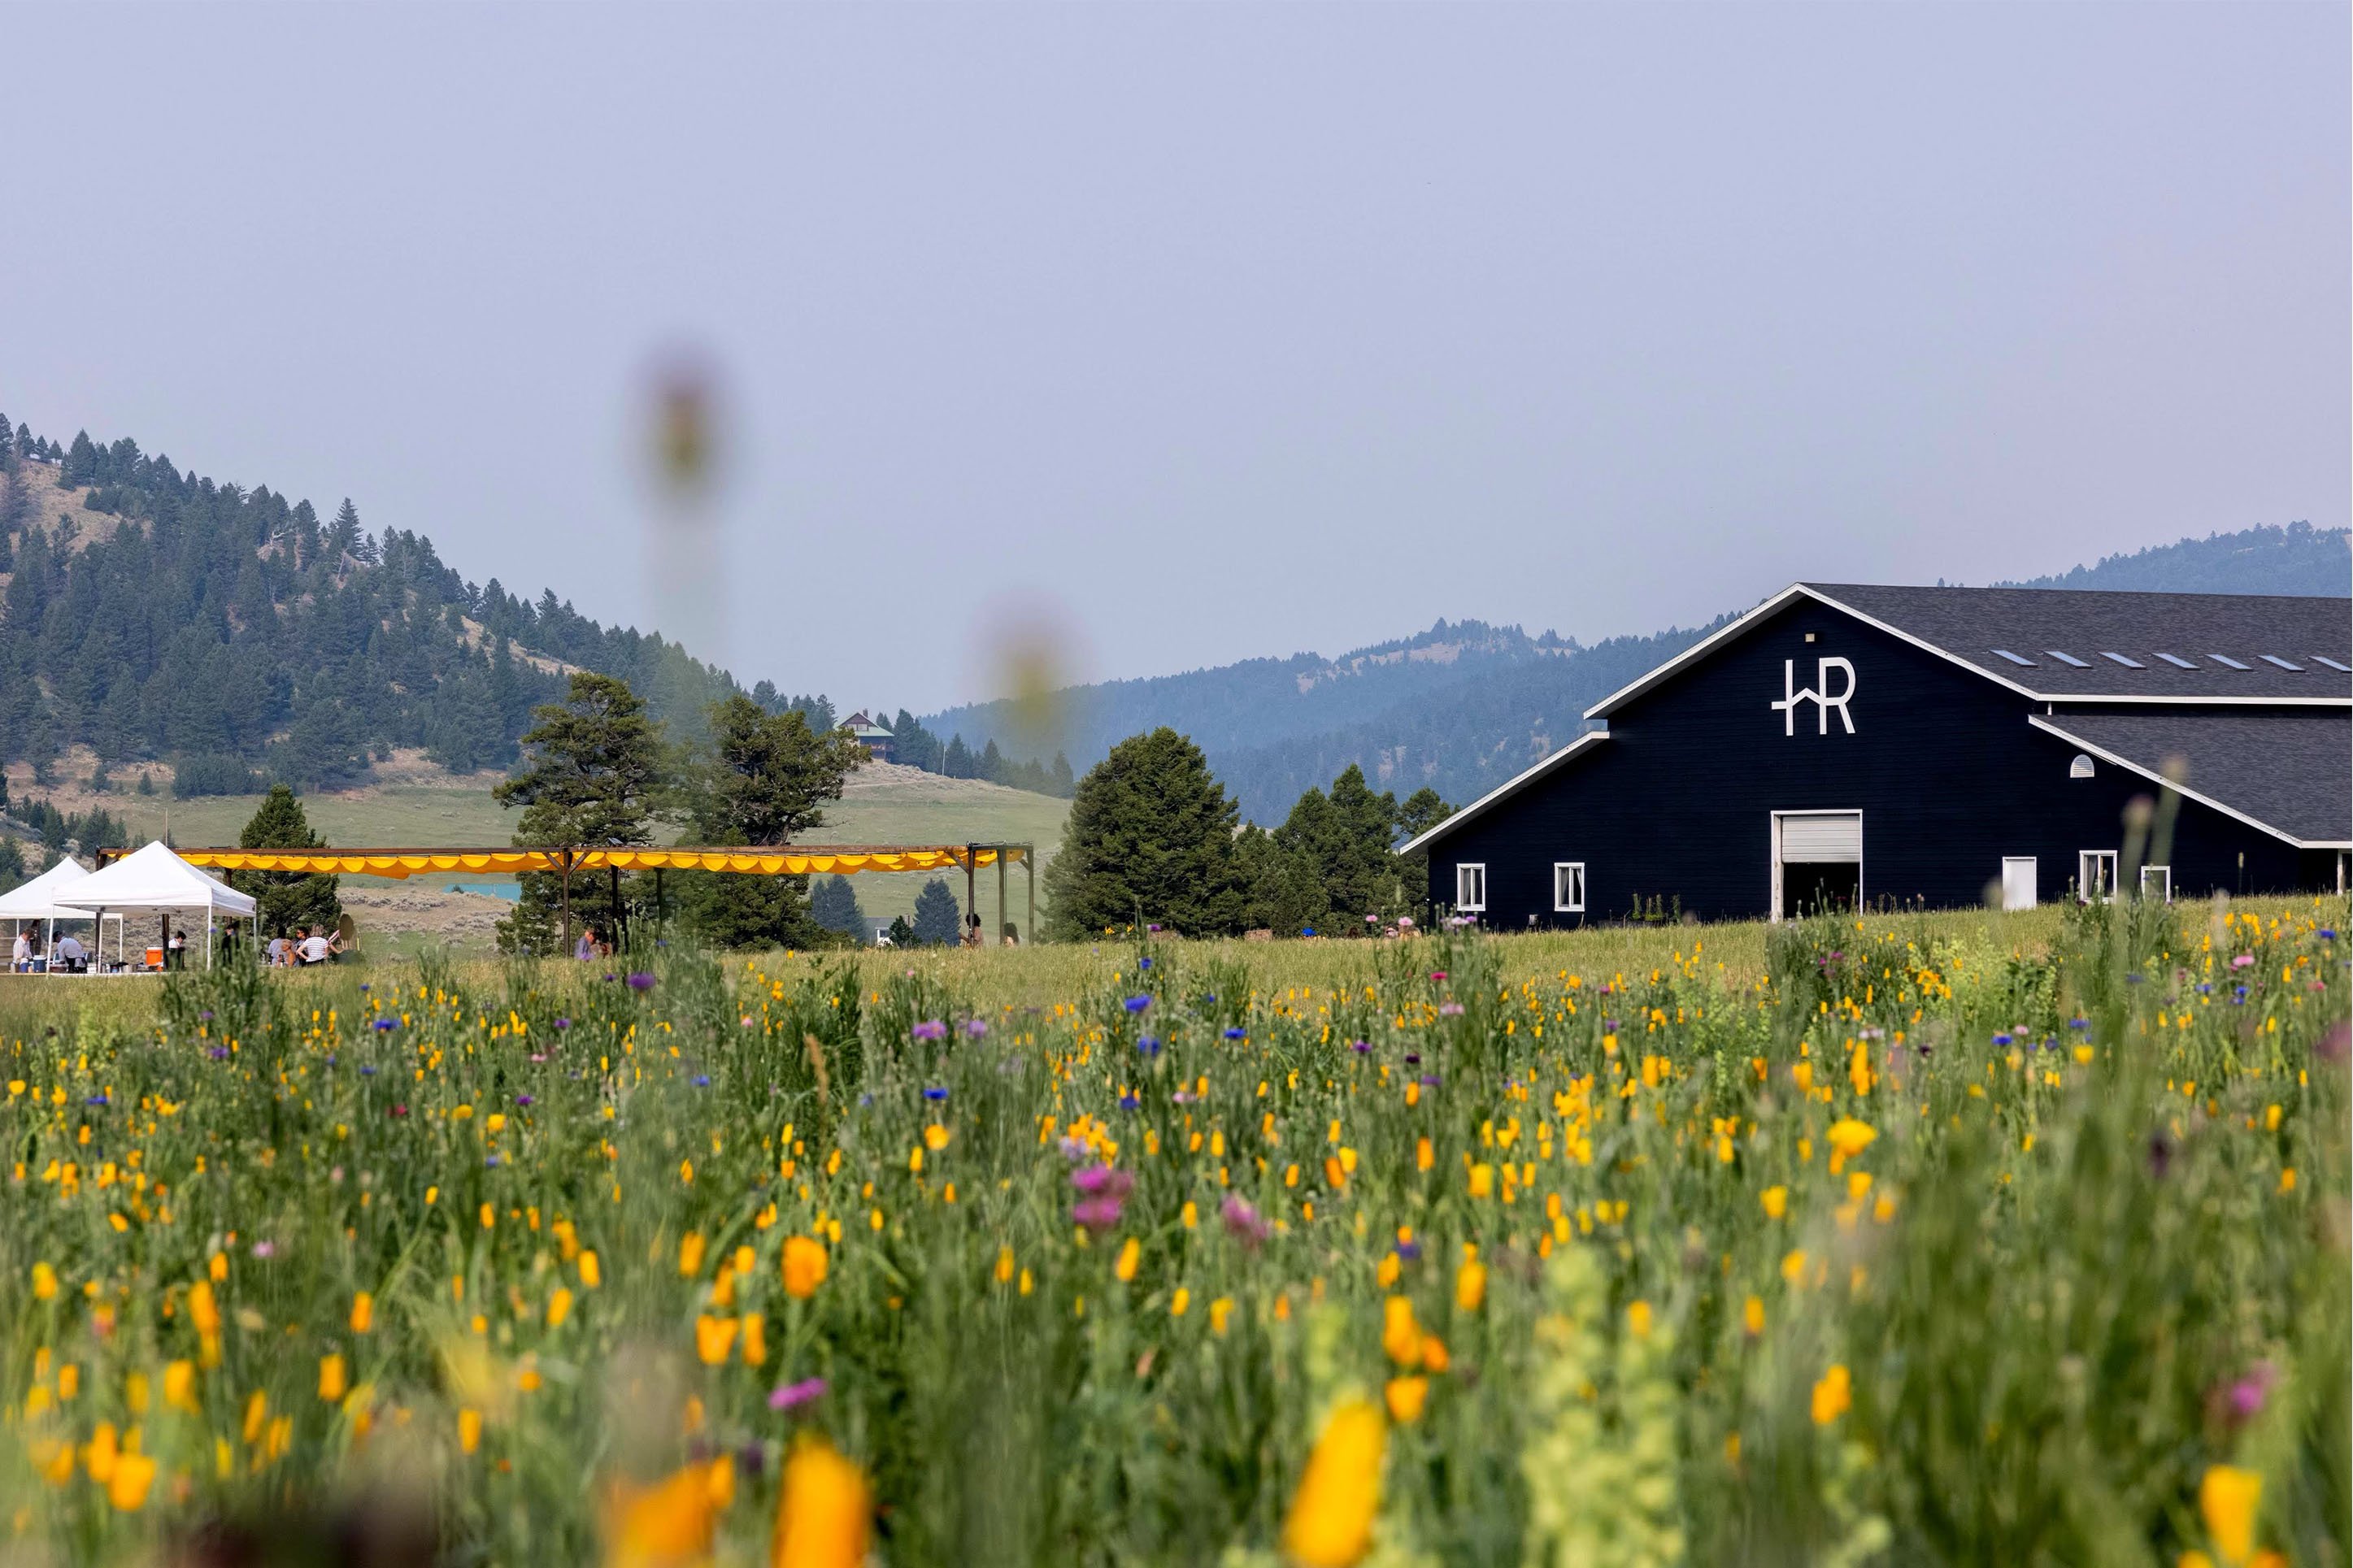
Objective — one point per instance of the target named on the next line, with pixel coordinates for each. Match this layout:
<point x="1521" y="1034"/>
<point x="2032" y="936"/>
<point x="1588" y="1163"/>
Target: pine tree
<point x="286" y="899"/>
<point x="938" y="921"/>
<point x="595" y="774"/>
<point x="1150" y="836"/>
<point x="957" y="764"/>
<point x="833" y="905"/>
<point x="343" y="534"/>
<point x="12" y="854"/>
<point x="763" y="781"/>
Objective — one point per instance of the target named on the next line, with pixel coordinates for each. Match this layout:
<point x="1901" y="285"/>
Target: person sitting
<point x="313" y="948"/>
<point x="586" y="950"/>
<point x="71" y="953"/>
<point x="971" y="930"/>
<point x="279" y="953"/>
<point x="1012" y="937"/>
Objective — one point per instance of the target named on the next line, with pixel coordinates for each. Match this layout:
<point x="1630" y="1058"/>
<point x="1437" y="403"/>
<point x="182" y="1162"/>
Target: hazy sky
<point x="1204" y="331"/>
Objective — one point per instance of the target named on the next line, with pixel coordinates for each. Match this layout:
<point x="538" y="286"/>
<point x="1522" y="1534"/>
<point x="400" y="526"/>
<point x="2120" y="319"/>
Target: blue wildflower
<point x="2001" y="1039"/>
<point x="1137" y="1004"/>
<point x="703" y="1081"/>
<point x="1128" y="1102"/>
<point x="936" y="1093"/>
<point x="1236" y="1034"/>
<point x="1148" y="1046"/>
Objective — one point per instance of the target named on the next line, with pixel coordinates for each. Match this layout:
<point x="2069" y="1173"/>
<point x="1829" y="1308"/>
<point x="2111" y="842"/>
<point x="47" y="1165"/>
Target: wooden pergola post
<point x="971" y="883"/>
<point x="565" y="949"/>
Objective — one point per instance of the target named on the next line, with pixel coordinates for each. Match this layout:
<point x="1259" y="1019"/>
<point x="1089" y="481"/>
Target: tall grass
<point x="1959" y="1238"/>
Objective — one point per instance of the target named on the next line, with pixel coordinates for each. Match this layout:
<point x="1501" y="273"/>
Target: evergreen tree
<point x="1150" y="836"/>
<point x="957" y="762"/>
<point x="343" y="534"/>
<point x="1065" y="782"/>
<point x="595" y="774"/>
<point x="833" y="905"/>
<point x="286" y="899"/>
<point x="991" y="765"/>
<point x="12" y="854"/>
<point x="938" y="920"/>
<point x="1423" y="810"/>
<point x="902" y="935"/>
<point x="765" y="780"/>
<point x="322" y="747"/>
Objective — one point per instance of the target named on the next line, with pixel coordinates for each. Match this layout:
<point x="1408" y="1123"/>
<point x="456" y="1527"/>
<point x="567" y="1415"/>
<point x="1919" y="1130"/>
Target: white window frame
<point x="2164" y="876"/>
<point x="1463" y="905"/>
<point x="1563" y="903"/>
<point x="2096" y="875"/>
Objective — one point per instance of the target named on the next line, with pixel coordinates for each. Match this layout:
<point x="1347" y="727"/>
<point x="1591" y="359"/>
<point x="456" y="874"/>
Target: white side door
<point x="2018" y="882"/>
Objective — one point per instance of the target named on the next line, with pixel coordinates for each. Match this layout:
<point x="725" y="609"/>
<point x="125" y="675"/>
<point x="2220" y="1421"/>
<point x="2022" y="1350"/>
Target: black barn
<point x="1848" y="744"/>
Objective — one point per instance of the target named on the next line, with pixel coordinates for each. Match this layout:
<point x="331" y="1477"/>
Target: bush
<point x="213" y="773"/>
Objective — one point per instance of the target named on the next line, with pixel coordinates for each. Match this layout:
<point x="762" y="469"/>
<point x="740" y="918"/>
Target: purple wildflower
<point x="523" y="1100"/>
<point x="1450" y="1009"/>
<point x="975" y="1028"/>
<point x="640" y="981"/>
<point x="1097" y="1181"/>
<point x="2247" y="1395"/>
<point x="1096" y="1214"/>
<point x="930" y="1029"/>
<point x="1362" y="1047"/>
<point x="264" y="1248"/>
<point x="1243" y="1221"/>
<point x="791" y="1395"/>
<point x="564" y="1023"/>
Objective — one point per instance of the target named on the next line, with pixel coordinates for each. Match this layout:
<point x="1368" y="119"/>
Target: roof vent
<point x="2022" y="662"/>
<point x="2225" y="660"/>
<point x="2274" y="658"/>
<point x="2127" y="663"/>
<point x="2069" y="659"/>
<point x="2080" y="768"/>
<point x="2324" y="659"/>
<point x="2176" y="660"/>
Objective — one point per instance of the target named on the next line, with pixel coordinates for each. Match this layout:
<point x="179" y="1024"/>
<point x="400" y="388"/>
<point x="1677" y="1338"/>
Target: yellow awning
<point x="814" y="859"/>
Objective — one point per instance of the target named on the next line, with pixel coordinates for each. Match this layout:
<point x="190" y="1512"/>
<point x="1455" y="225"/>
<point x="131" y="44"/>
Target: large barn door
<point x="1816" y="862"/>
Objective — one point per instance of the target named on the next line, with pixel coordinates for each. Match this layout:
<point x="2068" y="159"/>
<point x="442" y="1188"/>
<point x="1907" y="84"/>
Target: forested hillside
<point x="153" y="614"/>
<point x="2297" y="558"/>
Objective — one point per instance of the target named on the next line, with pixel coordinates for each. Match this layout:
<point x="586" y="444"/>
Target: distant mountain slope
<point x="2297" y="558"/>
<point x="1463" y="707"/>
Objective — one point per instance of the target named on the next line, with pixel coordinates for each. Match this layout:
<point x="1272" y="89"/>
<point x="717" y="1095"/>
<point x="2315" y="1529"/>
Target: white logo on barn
<point x="1821" y="699"/>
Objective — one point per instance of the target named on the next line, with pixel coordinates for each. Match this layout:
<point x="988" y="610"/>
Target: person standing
<point x="175" y="950"/>
<point x="313" y="948"/>
<point x="21" y="958"/>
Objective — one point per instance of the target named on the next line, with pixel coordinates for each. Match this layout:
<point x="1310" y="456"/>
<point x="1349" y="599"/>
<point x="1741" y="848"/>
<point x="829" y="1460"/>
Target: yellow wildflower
<point x="825" y="1511"/>
<point x="1331" y="1520"/>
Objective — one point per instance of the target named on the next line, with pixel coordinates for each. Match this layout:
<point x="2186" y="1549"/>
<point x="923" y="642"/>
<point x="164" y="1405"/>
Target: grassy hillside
<point x="420" y="805"/>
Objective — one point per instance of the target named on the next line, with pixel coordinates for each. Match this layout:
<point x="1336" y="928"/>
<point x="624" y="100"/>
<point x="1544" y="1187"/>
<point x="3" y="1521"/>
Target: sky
<point x="1158" y="336"/>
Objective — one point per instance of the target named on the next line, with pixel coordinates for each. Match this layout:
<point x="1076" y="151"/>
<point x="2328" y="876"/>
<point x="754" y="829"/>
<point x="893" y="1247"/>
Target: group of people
<point x="306" y="945"/>
<point x="65" y="953"/>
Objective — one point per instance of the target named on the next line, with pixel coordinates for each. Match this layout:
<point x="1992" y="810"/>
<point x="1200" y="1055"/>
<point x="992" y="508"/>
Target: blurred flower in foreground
<point x="825" y="1511"/>
<point x="665" y="1525"/>
<point x="1331" y="1520"/>
<point x="2227" y="1499"/>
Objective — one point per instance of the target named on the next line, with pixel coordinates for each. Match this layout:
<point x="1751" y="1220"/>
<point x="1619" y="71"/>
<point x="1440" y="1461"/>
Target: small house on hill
<point x="872" y="736"/>
<point x="1844" y="745"/>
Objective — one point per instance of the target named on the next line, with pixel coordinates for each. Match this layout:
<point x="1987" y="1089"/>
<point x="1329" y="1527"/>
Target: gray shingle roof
<point x="2290" y="769"/>
<point x="1970" y="624"/>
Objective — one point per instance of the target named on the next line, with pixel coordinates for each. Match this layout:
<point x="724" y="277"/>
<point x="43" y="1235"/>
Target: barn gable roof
<point x="2283" y="771"/>
<point x="1502" y="791"/>
<point x="2209" y="648"/>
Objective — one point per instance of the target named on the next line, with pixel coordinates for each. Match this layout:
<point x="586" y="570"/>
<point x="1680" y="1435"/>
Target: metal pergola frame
<point x="400" y="863"/>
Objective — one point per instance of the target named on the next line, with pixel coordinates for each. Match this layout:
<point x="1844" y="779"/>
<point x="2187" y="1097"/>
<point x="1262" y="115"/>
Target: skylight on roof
<point x="2022" y="662"/>
<point x="2274" y="658"/>
<point x="2068" y="660"/>
<point x="2332" y="664"/>
<point x="2176" y="660"/>
<point x="2226" y="660"/>
<point x="2127" y="663"/>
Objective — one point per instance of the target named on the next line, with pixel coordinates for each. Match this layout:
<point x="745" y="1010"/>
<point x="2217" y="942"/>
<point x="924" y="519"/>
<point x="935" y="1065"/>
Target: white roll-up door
<point x="1829" y="838"/>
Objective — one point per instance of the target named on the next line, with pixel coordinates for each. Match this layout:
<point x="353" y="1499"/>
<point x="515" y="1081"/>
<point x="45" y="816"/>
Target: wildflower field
<point x="1898" y="1240"/>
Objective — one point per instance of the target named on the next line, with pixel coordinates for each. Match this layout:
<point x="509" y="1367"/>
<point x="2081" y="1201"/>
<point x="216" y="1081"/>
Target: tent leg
<point x="208" y="940"/>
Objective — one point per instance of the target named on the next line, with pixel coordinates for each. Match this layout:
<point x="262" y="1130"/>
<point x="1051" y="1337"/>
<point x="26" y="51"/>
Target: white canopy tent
<point x="156" y="878"/>
<point x="35" y="900"/>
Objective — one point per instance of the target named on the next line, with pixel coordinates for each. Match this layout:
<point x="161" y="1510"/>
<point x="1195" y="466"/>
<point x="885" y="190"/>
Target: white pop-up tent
<point x="156" y="878"/>
<point x="37" y="900"/>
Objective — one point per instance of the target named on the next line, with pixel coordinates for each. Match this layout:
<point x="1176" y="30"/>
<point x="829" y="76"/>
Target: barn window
<point x="2080" y="768"/>
<point x="2324" y="659"/>
<point x="2157" y="882"/>
<point x="2096" y="875"/>
<point x="1569" y="887"/>
<point x="2176" y="660"/>
<point x="1470" y="888"/>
